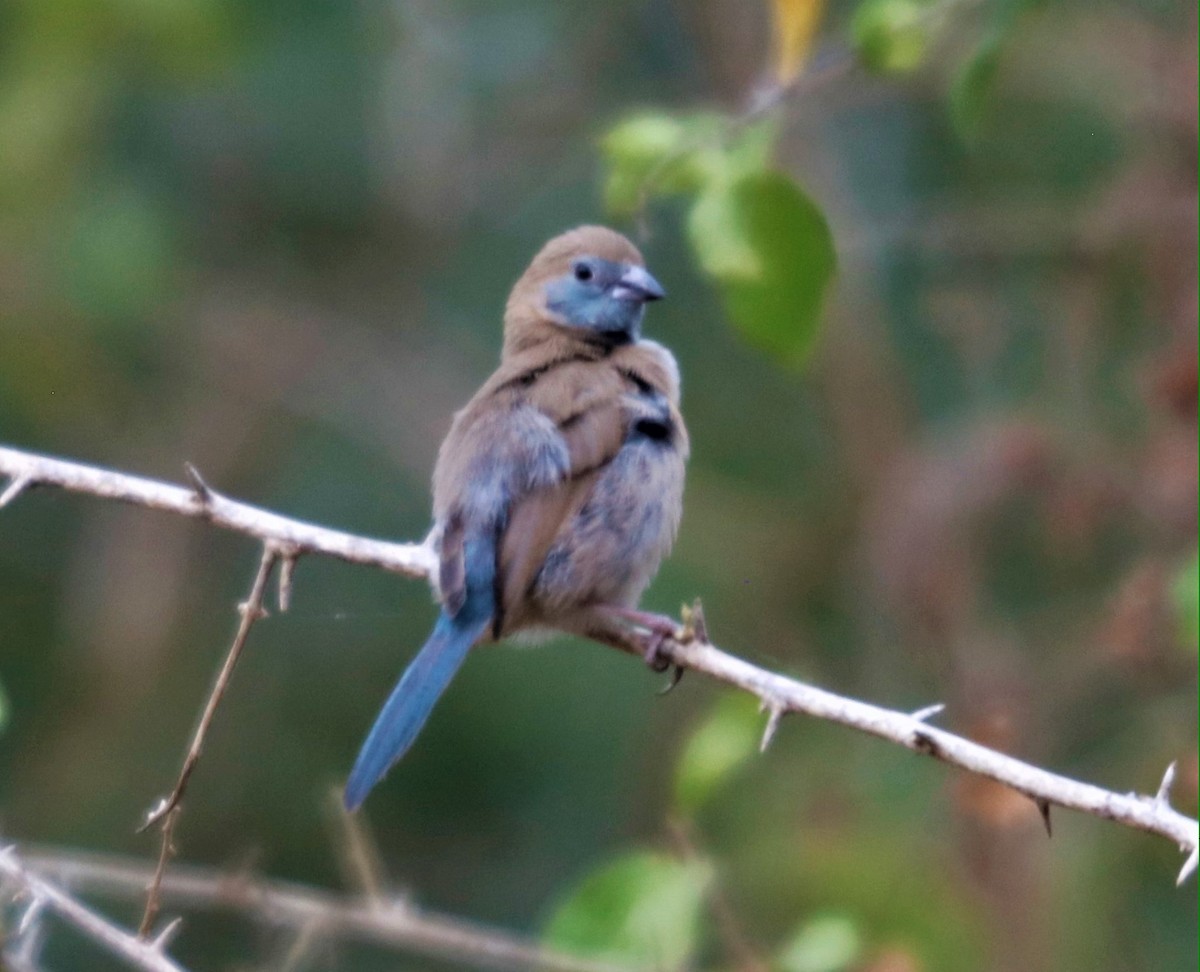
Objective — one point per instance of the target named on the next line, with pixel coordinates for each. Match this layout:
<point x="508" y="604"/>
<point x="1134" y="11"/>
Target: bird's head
<point x="590" y="282"/>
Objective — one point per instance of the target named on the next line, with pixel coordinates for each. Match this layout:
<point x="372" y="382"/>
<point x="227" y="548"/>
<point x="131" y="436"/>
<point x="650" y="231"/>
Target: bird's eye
<point x="583" y="272"/>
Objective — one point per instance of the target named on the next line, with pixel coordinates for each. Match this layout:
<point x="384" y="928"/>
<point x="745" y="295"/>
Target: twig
<point x="286" y="905"/>
<point x="360" y="857"/>
<point x="166" y="812"/>
<point x="741" y="953"/>
<point x="776" y="691"/>
<point x="166" y="850"/>
<point x="137" y="953"/>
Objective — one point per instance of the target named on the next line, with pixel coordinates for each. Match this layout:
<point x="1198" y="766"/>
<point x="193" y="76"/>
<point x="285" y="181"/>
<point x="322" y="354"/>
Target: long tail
<point x="423" y="682"/>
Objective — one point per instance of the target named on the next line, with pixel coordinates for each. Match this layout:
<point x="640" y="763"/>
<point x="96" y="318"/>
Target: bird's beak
<point x="637" y="284"/>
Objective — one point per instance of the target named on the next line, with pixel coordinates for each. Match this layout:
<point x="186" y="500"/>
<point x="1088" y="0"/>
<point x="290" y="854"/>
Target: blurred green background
<point x="274" y="240"/>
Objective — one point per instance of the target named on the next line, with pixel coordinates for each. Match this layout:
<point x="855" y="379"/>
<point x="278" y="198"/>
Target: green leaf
<point x="1185" y="592"/>
<point x="3" y="708"/>
<point x="892" y="36"/>
<point x="642" y="909"/>
<point x="653" y="152"/>
<point x="659" y="154"/>
<point x="722" y="742"/>
<point x="825" y="943"/>
<point x="971" y="89"/>
<point x="769" y="248"/>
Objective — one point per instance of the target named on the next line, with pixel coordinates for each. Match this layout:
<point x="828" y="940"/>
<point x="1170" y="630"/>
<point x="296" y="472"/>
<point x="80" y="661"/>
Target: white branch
<point x="309" y="910"/>
<point x="290" y="537"/>
<point x="1152" y="814"/>
<point x="146" y="956"/>
<point x="778" y="693"/>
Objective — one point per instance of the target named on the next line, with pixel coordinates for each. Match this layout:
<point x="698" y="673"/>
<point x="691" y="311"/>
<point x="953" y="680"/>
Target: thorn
<point x="776" y="714"/>
<point x="1162" y="798"/>
<point x="1044" y="809"/>
<point x="160" y="941"/>
<point x="31" y="914"/>
<point x="156" y="813"/>
<point x="1189" y="867"/>
<point x="15" y="488"/>
<point x="287" y="570"/>
<point x="202" y="490"/>
<point x="922" y="715"/>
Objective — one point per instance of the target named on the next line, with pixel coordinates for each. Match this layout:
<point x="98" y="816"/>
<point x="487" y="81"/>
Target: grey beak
<point x="637" y="284"/>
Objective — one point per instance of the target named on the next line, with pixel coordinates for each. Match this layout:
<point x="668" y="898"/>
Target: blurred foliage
<point x="893" y="36"/>
<point x="753" y="231"/>
<point x="275" y="240"/>
<point x="1186" y="592"/>
<point x="794" y="27"/>
<point x="824" y="943"/>
<point x="718" y="746"/>
<point x="641" y="910"/>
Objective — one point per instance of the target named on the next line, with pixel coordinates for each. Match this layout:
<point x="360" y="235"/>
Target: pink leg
<point x="658" y="627"/>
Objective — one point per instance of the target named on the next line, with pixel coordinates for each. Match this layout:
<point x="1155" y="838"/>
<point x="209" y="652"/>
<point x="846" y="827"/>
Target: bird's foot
<point x="658" y="630"/>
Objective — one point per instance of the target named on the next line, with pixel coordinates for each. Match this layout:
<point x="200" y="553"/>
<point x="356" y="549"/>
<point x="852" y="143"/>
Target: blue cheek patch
<point x="585" y="305"/>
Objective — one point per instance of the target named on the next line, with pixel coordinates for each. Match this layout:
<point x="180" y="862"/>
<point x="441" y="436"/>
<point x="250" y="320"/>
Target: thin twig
<point x="166" y="811"/>
<point x="116" y="940"/>
<point x="1131" y="810"/>
<point x="282" y="904"/>
<point x="360" y="857"/>
<point x="740" y="951"/>
<point x="166" y="850"/>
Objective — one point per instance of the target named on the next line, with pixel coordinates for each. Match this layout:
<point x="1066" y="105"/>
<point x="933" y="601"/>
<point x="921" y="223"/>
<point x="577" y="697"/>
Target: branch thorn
<point x="776" y="712"/>
<point x="160" y="941"/>
<point x="929" y="711"/>
<point x="1044" y="809"/>
<point x="31" y="914"/>
<point x="1162" y="798"/>
<point x="1189" y="867"/>
<point x="202" y="490"/>
<point x="15" y="488"/>
<point x="156" y="813"/>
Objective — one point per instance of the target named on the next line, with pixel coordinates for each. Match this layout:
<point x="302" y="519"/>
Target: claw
<point x="652" y="653"/>
<point x="676" y="675"/>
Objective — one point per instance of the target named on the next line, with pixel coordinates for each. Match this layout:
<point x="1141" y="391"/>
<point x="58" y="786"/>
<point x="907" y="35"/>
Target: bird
<point x="558" y="490"/>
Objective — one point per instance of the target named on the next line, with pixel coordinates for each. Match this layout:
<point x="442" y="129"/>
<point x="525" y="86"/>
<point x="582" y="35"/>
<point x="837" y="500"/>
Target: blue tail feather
<point x="426" y="678"/>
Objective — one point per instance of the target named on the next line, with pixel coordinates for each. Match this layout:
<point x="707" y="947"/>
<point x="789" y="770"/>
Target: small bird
<point x="559" y="488"/>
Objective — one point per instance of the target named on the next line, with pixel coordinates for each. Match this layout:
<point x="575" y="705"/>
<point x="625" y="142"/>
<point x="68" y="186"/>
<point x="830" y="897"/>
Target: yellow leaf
<point x="796" y="23"/>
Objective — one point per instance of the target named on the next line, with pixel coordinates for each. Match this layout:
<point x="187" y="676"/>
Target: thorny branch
<point x="166" y="813"/>
<point x="42" y="895"/>
<point x="364" y="919"/>
<point x="689" y="649"/>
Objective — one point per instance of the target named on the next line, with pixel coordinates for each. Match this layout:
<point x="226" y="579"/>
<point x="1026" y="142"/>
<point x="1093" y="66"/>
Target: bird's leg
<point x="658" y="628"/>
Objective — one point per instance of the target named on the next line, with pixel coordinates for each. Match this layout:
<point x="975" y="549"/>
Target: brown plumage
<point x="593" y="392"/>
<point x="558" y="489"/>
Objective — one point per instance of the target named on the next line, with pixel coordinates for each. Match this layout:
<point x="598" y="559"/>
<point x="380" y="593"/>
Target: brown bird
<point x="559" y="488"/>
